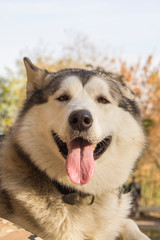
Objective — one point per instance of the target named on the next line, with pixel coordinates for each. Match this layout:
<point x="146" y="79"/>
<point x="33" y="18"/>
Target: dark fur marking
<point x="83" y="75"/>
<point x="36" y="98"/>
<point x="22" y="155"/>
<point x="2" y="137"/>
<point x="124" y="102"/>
<point x="114" y="88"/>
<point x="27" y="215"/>
<point x="7" y="200"/>
<point x="63" y="189"/>
<point x="130" y="106"/>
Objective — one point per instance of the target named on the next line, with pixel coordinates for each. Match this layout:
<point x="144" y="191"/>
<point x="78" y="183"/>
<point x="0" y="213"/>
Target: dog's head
<point x="81" y="127"/>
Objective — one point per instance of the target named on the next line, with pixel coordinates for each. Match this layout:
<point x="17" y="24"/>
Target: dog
<point x="74" y="144"/>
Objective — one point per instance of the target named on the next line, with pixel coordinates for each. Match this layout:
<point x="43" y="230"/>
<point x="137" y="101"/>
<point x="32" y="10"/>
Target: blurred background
<point x="122" y="37"/>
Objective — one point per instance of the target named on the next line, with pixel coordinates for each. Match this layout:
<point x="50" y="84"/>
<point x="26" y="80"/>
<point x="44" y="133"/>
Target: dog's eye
<point x="102" y="100"/>
<point x="63" y="98"/>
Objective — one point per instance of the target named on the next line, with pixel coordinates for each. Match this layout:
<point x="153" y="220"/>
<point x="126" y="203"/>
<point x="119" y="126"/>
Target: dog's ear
<point x="127" y="92"/>
<point x="35" y="76"/>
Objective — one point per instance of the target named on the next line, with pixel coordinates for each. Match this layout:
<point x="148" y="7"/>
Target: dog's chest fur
<point x="50" y="218"/>
<point x="40" y="208"/>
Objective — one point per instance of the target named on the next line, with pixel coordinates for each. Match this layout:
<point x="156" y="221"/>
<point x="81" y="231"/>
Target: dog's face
<point x="81" y="127"/>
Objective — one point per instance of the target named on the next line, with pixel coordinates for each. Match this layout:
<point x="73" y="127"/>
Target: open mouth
<point x="100" y="148"/>
<point x="80" y="157"/>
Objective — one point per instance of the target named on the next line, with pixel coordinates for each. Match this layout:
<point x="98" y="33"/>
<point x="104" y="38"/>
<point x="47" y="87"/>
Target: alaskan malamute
<point x="73" y="146"/>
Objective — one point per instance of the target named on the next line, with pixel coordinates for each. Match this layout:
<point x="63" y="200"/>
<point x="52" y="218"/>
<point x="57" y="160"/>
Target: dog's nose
<point x="80" y="120"/>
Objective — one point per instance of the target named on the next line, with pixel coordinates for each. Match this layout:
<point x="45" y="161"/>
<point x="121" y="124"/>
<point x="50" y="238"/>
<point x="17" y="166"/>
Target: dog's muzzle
<point x="80" y="153"/>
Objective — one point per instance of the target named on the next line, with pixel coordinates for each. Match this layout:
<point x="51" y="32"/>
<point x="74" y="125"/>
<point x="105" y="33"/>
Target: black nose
<point x="80" y="120"/>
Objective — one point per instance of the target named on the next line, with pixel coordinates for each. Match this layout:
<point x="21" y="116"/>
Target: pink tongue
<point x="80" y="162"/>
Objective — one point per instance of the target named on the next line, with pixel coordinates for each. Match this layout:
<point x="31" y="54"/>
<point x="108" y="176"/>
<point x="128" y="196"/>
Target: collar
<point x="72" y="196"/>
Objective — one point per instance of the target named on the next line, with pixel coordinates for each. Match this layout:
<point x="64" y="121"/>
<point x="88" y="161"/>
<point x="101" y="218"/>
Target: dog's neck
<point x="72" y="196"/>
<point x="64" y="190"/>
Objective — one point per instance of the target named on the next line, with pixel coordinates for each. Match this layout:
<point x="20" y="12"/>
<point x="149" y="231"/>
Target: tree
<point x="145" y="82"/>
<point x="11" y="97"/>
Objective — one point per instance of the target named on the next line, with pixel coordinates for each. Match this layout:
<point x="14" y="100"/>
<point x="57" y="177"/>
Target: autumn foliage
<point x="143" y="79"/>
<point x="145" y="82"/>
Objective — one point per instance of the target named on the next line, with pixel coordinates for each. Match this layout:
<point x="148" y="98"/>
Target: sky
<point x="129" y="29"/>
